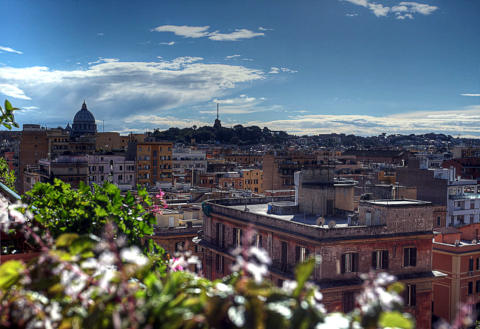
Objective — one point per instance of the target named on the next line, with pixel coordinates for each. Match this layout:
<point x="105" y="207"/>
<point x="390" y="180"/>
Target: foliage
<point x="7" y="176"/>
<point x="7" y="120"/>
<point x="6" y="116"/>
<point x="61" y="209"/>
<point x="238" y="135"/>
<point x="83" y="281"/>
<point x="86" y="281"/>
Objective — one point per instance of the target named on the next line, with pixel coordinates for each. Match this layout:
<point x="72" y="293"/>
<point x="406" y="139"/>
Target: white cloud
<point x="163" y="122"/>
<point x="203" y="31"/>
<point x="351" y="15"/>
<point x="115" y="90"/>
<point x="405" y="9"/>
<point x="420" y="8"/>
<point x="13" y="91"/>
<point x="464" y="121"/>
<point x="261" y="28"/>
<point x="274" y="70"/>
<point x="471" y="95"/>
<point x="100" y="34"/>
<point x="103" y="60"/>
<point x="232" y="56"/>
<point x="234" y="36"/>
<point x="242" y="104"/>
<point x="184" y="30"/>
<point x="287" y="70"/>
<point x="378" y="10"/>
<point x="171" y="43"/>
<point x="28" y="108"/>
<point x="10" y="50"/>
<point x="363" y="3"/>
<point x="277" y="70"/>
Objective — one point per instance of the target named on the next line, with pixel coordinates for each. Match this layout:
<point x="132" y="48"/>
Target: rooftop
<point x="262" y="209"/>
<point x="397" y="203"/>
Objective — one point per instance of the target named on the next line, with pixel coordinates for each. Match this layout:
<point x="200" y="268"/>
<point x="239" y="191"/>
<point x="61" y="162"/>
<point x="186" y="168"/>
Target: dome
<point x="84" y="122"/>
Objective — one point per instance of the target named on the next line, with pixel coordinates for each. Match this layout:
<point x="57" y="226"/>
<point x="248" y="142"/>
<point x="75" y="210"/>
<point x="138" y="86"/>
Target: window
<point x="171" y="221"/>
<point x="284" y="255"/>
<point x="477" y="287"/>
<point x="470" y="264"/>
<point x="301" y="254"/>
<point x="380" y="259"/>
<point x="220" y="235"/>
<point x="470" y="288"/>
<point x="258" y="241"/>
<point x="219" y="263"/>
<point x="237" y="237"/>
<point x="410" y="295"/>
<point x="409" y="257"/>
<point x="438" y="220"/>
<point x="478" y="264"/>
<point x="348" y="301"/>
<point x="349" y="262"/>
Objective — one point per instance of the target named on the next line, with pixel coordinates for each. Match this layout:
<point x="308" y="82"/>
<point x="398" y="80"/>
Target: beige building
<point x="253" y="180"/>
<point x="154" y="163"/>
<point x="113" y="141"/>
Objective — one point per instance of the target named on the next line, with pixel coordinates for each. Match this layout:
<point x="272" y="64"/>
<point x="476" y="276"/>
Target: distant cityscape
<point x="407" y="204"/>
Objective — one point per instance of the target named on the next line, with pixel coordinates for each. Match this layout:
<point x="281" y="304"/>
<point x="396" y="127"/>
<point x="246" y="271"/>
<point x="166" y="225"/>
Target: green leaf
<point x="100" y="212"/>
<point x="8" y="106"/>
<point x="302" y="273"/>
<point x="395" y="319"/>
<point x="81" y="245"/>
<point x="65" y="240"/>
<point x="10" y="273"/>
<point x="397" y="287"/>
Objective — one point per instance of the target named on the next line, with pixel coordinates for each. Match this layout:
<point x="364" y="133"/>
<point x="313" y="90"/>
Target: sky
<point x="359" y="67"/>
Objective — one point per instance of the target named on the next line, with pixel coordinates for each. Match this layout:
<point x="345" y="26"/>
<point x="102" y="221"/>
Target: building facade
<point x="394" y="236"/>
<point x="112" y="168"/>
<point x="456" y="252"/>
<point x="154" y="163"/>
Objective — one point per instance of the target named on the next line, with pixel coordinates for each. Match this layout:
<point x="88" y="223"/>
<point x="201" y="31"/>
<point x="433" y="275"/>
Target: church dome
<point x="84" y="122"/>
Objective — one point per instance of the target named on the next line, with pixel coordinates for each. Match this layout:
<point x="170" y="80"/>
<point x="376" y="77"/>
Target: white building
<point x="113" y="168"/>
<point x="187" y="159"/>
<point x="463" y="203"/>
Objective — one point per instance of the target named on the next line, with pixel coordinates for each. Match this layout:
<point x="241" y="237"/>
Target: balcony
<point x="467" y="196"/>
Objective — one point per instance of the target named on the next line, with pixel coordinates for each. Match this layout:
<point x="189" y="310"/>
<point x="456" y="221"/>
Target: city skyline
<point x="352" y="66"/>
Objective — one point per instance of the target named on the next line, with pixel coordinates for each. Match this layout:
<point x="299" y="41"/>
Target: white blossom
<point x="133" y="255"/>
<point x="334" y="320"/>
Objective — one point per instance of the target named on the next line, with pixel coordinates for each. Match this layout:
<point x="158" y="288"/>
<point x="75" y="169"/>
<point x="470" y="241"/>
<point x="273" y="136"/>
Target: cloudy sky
<point x="305" y="66"/>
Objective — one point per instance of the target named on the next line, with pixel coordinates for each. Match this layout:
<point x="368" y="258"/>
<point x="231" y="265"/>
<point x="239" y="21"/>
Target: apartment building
<point x="456" y="252"/>
<point x="154" y="162"/>
<point x="252" y="180"/>
<point x="443" y="187"/>
<point x="185" y="159"/>
<point x="115" y="169"/>
<point x="388" y="235"/>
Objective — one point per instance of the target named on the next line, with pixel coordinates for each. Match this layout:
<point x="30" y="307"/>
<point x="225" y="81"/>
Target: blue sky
<point x="307" y="67"/>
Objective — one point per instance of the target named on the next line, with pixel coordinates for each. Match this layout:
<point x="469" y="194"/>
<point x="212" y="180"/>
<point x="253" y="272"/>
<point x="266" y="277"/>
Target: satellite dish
<point x="332" y="224"/>
<point x="320" y="221"/>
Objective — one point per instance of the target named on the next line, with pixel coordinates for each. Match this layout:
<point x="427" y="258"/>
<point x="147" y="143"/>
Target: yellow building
<point x="113" y="141"/>
<point x="154" y="162"/>
<point x="253" y="180"/>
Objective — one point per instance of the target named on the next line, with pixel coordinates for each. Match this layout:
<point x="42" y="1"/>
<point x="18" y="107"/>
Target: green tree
<point x="7" y="120"/>
<point x="60" y="209"/>
<point x="7" y="176"/>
